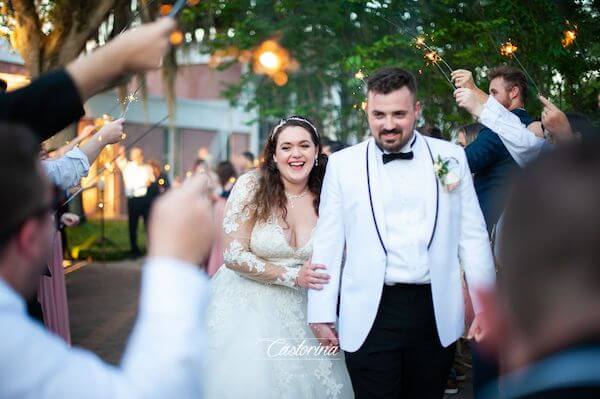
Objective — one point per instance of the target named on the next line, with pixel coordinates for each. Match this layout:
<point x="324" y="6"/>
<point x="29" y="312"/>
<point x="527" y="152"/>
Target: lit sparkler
<point x="509" y="49"/>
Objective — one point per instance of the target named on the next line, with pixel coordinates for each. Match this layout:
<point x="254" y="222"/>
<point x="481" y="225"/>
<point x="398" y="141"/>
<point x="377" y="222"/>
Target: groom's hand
<point x="325" y="333"/>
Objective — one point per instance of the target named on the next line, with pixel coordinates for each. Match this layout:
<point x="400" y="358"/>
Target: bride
<point x="259" y="344"/>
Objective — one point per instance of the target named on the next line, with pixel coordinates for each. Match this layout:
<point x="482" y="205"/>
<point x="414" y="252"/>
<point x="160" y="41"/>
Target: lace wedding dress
<point x="259" y="344"/>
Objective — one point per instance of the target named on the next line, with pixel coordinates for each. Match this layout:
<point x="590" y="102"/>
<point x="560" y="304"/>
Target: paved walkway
<point x="103" y="302"/>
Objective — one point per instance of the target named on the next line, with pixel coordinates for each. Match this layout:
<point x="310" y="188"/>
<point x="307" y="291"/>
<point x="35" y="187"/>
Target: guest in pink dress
<point x="227" y="177"/>
<point x="52" y="293"/>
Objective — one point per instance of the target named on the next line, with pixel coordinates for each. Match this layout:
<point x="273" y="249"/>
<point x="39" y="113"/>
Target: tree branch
<point x="29" y="38"/>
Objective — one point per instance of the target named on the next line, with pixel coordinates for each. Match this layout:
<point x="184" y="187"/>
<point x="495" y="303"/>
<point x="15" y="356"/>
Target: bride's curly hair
<point x="270" y="198"/>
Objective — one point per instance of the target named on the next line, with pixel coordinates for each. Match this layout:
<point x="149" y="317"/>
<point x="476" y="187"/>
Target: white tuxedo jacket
<point x="352" y="213"/>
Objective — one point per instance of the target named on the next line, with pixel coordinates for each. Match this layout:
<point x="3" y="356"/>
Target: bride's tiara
<point x="292" y="118"/>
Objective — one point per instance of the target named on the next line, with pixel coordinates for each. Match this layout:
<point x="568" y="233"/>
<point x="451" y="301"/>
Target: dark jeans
<point x="136" y="207"/>
<point x="402" y="356"/>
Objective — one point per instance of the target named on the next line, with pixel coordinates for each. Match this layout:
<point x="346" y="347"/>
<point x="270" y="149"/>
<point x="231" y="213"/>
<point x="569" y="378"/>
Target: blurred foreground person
<point x="164" y="355"/>
<point x="55" y="100"/>
<point x="545" y="316"/>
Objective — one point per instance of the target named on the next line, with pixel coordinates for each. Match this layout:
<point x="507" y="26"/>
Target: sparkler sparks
<point x="569" y="37"/>
<point x="508" y="49"/>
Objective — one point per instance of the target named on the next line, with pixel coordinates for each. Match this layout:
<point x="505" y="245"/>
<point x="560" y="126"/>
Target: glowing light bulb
<point x="269" y="60"/>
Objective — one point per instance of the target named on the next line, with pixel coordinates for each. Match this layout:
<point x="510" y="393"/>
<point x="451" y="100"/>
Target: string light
<point x="176" y="38"/>
<point x="167" y="167"/>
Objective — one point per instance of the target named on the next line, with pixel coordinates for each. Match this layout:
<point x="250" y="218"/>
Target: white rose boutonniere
<point x="446" y="172"/>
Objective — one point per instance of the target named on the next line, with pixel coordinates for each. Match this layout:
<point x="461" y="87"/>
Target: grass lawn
<point x="84" y="240"/>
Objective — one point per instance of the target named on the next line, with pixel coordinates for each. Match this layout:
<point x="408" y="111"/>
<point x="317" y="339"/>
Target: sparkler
<point x="101" y="170"/>
<point x="432" y="56"/>
<point x="509" y="49"/>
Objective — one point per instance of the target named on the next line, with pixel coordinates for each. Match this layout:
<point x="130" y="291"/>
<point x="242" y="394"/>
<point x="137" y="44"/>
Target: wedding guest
<point x="493" y="168"/>
<point x="137" y="177"/>
<point x="491" y="163"/>
<point x="68" y="170"/>
<point x="524" y="142"/>
<point x="467" y="134"/>
<point x="431" y="131"/>
<point x="160" y="182"/>
<point x="544" y="314"/>
<point x="36" y="105"/>
<point x="250" y="160"/>
<point x="227" y="178"/>
<point x="164" y="355"/>
<point x="52" y="292"/>
<point x="50" y="305"/>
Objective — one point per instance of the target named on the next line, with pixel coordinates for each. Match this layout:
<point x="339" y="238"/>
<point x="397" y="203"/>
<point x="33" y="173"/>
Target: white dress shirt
<point x="135" y="177"/>
<point x="66" y="171"/>
<point x="163" y="358"/>
<point x="522" y="144"/>
<point x="409" y="199"/>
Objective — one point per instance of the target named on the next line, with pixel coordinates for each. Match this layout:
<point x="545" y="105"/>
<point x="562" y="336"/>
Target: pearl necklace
<point x="292" y="197"/>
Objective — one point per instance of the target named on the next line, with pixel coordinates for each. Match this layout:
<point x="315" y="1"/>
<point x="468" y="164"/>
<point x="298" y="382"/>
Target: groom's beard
<point x="389" y="140"/>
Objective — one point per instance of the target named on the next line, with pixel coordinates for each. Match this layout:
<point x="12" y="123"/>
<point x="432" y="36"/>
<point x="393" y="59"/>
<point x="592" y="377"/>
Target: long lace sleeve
<point x="237" y="228"/>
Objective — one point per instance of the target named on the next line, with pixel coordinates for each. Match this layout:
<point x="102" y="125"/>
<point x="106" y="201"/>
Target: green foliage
<point x="333" y="39"/>
<point x="82" y="240"/>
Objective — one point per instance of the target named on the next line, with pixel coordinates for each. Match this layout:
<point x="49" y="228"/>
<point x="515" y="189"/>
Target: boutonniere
<point x="445" y="171"/>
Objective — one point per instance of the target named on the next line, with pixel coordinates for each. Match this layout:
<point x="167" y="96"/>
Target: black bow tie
<point x="397" y="155"/>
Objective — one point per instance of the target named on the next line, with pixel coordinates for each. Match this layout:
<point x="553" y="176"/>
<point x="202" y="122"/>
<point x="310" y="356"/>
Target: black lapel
<point x="371" y="202"/>
<point x="437" y="196"/>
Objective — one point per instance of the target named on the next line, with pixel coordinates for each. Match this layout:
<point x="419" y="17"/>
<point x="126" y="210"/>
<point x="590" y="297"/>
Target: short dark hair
<point x="225" y="171"/>
<point x="514" y="77"/>
<point x="387" y="80"/>
<point x="550" y="250"/>
<point x="248" y="155"/>
<point x="21" y="175"/>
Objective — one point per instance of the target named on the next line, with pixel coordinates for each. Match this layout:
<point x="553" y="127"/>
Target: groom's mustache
<point x="391" y="131"/>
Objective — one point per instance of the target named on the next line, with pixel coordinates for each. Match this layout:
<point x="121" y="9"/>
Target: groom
<point x="407" y="231"/>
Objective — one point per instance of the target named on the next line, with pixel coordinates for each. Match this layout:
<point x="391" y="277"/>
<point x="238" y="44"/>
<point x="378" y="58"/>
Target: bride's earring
<point x="317" y="161"/>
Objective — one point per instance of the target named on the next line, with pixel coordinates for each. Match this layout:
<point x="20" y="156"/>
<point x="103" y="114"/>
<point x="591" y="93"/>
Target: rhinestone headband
<point x="292" y="118"/>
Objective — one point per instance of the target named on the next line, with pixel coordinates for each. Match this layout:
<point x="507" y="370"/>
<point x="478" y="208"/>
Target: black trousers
<point x="136" y="207"/>
<point x="402" y="356"/>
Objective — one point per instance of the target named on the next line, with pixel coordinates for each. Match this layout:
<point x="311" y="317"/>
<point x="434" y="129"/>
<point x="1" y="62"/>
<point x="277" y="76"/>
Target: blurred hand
<point x="325" y="333"/>
<point x="111" y="132"/>
<point x="477" y="331"/>
<point x="142" y="48"/>
<point x="69" y="219"/>
<point x="555" y="121"/>
<point x="463" y="79"/>
<point x="472" y="100"/>
<point x="536" y="128"/>
<point x="181" y="222"/>
<point x="88" y="130"/>
<point x="309" y="277"/>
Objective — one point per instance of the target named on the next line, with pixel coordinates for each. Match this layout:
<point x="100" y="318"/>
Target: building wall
<point x="195" y="82"/>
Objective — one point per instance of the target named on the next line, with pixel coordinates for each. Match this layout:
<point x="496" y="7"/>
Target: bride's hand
<point x="309" y="277"/>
